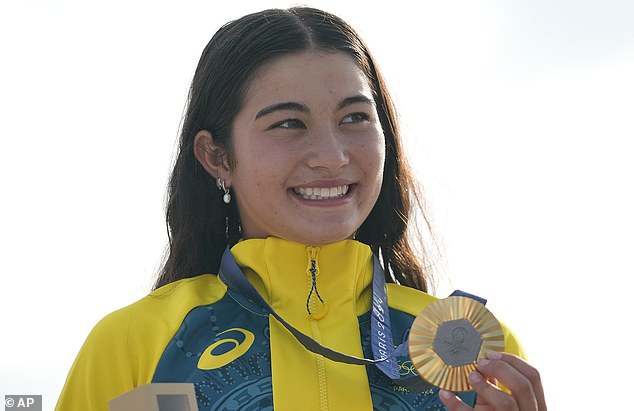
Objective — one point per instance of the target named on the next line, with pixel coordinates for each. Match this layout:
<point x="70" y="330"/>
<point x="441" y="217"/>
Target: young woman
<point x="291" y="174"/>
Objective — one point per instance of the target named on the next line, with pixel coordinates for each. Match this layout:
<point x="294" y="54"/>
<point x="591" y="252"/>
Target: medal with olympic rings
<point x="449" y="337"/>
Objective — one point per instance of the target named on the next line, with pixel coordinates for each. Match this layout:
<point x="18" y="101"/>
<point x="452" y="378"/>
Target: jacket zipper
<point x="319" y="360"/>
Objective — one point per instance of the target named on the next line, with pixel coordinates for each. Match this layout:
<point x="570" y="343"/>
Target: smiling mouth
<point x="321" y="193"/>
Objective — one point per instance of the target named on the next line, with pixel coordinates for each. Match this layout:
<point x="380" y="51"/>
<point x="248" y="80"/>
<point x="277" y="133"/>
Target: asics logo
<point x="218" y="354"/>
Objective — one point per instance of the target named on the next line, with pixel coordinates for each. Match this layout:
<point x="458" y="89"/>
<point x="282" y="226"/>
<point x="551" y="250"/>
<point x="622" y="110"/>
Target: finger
<point x="528" y="371"/>
<point x="452" y="401"/>
<point x="515" y="374"/>
<point x="491" y="395"/>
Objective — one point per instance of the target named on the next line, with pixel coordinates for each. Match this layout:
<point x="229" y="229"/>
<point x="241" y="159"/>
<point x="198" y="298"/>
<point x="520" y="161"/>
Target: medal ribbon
<point x="381" y="330"/>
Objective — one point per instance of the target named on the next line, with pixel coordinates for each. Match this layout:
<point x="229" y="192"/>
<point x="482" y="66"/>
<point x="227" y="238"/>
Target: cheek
<point x="250" y="161"/>
<point x="257" y="176"/>
<point x="379" y="165"/>
<point x="371" y="160"/>
<point x="381" y="156"/>
<point x="374" y="157"/>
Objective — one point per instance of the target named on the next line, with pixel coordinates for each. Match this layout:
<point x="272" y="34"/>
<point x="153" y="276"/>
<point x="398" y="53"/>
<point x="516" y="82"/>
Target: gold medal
<point x="449" y="337"/>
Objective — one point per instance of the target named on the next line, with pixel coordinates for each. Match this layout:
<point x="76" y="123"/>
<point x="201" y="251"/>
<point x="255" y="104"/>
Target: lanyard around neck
<point x="383" y="348"/>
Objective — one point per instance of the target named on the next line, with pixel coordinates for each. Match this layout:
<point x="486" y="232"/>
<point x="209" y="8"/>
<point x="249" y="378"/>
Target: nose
<point x="327" y="149"/>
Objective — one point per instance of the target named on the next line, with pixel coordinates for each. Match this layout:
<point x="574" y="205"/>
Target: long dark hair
<point x="199" y="224"/>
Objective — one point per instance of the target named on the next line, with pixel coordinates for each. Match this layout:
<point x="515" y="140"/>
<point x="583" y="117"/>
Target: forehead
<point x="307" y="75"/>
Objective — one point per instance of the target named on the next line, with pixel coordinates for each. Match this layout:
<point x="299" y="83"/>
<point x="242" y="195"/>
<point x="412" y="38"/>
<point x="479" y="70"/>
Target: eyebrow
<point x="353" y="100"/>
<point x="293" y="106"/>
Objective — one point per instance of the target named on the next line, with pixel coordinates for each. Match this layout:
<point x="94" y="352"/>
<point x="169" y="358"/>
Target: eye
<point x="290" y="123"/>
<point x="355" y="118"/>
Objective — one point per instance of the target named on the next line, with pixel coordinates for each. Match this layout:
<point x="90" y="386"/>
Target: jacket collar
<point x="282" y="272"/>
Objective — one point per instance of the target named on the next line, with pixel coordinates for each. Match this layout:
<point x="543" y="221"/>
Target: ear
<point x="211" y="157"/>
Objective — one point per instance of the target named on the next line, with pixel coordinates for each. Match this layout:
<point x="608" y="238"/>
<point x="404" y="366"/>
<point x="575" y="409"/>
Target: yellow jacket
<point x="238" y="357"/>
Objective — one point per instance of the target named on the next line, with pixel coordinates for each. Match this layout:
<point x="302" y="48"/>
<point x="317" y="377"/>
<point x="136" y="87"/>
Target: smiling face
<point x="308" y="150"/>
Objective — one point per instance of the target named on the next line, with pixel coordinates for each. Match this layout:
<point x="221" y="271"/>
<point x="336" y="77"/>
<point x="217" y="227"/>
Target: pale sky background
<point x="518" y="117"/>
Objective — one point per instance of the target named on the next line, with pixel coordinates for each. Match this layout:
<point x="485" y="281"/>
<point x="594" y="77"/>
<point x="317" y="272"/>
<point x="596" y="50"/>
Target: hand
<point x="524" y="382"/>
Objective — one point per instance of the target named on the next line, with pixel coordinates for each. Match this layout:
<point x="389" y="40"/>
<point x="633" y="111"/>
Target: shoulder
<point x="177" y="298"/>
<point x="408" y="300"/>
<point x="153" y="318"/>
<point x="412" y="301"/>
<point x="122" y="350"/>
<point x="164" y="307"/>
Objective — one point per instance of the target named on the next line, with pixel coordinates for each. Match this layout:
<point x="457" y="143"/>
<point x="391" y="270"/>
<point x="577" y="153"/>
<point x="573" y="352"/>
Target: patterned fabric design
<point x="243" y="382"/>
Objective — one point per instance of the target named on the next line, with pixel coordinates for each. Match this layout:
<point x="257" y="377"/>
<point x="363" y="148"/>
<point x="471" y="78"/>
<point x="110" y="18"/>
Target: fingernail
<point x="445" y="395"/>
<point x="483" y="363"/>
<point x="475" y="378"/>
<point x="494" y="355"/>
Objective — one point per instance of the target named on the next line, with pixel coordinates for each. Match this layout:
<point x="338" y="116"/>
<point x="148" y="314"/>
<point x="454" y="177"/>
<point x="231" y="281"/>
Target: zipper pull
<point x="312" y="270"/>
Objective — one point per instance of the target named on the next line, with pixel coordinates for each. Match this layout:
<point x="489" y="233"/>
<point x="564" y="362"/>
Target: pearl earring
<point x="221" y="185"/>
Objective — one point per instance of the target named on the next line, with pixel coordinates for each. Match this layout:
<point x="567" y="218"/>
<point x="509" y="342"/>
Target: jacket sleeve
<point x="511" y="343"/>
<point x="103" y="368"/>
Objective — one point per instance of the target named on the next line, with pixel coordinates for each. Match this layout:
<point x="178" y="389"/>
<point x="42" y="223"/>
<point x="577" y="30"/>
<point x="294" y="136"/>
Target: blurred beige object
<point x="157" y="397"/>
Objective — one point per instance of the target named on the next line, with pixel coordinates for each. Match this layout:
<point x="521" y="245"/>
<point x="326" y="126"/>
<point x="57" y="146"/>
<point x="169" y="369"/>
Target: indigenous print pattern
<point x="231" y="371"/>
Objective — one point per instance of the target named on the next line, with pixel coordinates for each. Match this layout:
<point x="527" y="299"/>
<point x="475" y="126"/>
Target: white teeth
<point x="321" y="193"/>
